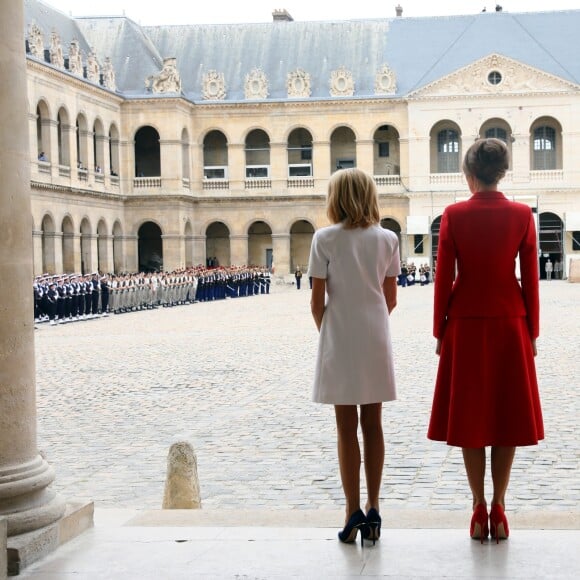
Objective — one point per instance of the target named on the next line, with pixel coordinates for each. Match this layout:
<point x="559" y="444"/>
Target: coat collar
<point x="483" y="195"/>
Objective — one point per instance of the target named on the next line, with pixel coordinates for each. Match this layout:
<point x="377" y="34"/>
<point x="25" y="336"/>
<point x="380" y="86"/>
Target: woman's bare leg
<point x="348" y="455"/>
<point x="502" y="459"/>
<point x="474" y="460"/>
<point x="374" y="451"/>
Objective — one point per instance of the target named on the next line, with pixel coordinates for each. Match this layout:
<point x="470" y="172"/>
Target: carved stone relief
<point x="109" y="81"/>
<point x="214" y="86"/>
<point x="341" y="83"/>
<point x="93" y="69"/>
<point x="495" y="74"/>
<point x="75" y="61"/>
<point x="56" y="56"/>
<point x="168" y="80"/>
<point x="298" y="83"/>
<point x="36" y="41"/>
<point x="385" y="81"/>
<point x="256" y="86"/>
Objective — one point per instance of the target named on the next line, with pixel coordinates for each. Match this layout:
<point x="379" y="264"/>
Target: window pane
<point x="544" y="148"/>
<point x="496" y="133"/>
<point x="448" y="151"/>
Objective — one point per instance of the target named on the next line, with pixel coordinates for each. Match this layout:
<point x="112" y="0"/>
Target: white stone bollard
<point x="182" y="483"/>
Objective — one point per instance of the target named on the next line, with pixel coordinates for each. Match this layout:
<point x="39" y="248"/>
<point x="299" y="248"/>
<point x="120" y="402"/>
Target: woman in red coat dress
<point x="486" y="324"/>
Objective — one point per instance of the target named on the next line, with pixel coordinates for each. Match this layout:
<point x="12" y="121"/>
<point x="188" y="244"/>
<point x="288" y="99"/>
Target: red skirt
<point x="486" y="391"/>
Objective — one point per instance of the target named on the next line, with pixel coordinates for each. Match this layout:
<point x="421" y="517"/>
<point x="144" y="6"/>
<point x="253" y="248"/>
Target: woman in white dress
<point x="354" y="265"/>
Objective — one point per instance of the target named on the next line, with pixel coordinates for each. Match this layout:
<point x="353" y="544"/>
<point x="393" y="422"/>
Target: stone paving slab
<point x="234" y="378"/>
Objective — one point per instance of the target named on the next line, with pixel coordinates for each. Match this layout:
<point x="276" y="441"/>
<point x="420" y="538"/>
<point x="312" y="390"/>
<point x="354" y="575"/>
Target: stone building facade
<point x="159" y="147"/>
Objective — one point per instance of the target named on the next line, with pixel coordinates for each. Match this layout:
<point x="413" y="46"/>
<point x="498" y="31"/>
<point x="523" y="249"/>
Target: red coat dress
<point x="486" y="392"/>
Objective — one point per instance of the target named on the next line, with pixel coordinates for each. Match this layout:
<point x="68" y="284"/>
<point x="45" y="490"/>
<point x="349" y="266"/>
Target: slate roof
<point x="418" y="50"/>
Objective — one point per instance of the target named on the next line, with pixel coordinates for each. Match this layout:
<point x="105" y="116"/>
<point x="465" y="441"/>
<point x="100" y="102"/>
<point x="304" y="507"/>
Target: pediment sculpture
<point x="298" y="83"/>
<point x="36" y="41"/>
<point x="56" y="55"/>
<point x="341" y="83"/>
<point x="75" y="61"/>
<point x="385" y="81"/>
<point x="495" y="74"/>
<point x="214" y="86"/>
<point x="168" y="80"/>
<point x="256" y="86"/>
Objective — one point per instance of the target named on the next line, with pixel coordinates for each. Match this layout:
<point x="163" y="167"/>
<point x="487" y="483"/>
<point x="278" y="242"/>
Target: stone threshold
<point x="392" y="518"/>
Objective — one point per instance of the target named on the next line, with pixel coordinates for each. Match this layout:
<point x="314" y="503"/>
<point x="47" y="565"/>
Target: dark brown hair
<point x="487" y="160"/>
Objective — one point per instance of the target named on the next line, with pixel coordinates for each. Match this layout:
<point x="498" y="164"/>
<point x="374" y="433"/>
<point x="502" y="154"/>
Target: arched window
<point x="147" y="153"/>
<point x="496" y="133"/>
<point x="544" y="148"/>
<point x="448" y="151"/>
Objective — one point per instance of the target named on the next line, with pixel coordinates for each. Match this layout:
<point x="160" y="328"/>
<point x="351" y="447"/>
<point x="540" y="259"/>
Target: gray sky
<point x="149" y="12"/>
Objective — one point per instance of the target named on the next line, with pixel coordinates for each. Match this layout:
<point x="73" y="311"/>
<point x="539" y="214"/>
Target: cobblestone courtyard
<point x="234" y="378"/>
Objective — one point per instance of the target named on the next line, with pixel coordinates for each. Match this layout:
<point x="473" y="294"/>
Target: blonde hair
<point x="352" y="199"/>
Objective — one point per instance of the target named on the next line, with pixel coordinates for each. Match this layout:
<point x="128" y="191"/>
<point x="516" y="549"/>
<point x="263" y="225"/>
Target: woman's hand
<point x="534" y="347"/>
<point x="438" y="347"/>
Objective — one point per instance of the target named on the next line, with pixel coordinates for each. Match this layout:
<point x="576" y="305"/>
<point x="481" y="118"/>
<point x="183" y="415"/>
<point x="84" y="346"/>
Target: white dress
<point x="355" y="359"/>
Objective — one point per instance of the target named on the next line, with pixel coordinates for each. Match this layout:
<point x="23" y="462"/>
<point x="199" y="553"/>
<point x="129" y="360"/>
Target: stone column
<point x="281" y="251"/>
<point x="238" y="249"/>
<point x="25" y="499"/>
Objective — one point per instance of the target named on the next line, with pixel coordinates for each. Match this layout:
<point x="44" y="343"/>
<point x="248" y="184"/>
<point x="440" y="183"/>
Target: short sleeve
<point x="318" y="262"/>
<point x="394" y="268"/>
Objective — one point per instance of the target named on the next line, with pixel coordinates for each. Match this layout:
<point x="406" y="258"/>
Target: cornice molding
<point x="60" y="75"/>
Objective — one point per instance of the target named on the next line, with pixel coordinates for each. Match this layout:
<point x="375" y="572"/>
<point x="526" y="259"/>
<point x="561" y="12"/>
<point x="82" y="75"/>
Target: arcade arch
<point x="259" y="244"/>
<point x="150" y="247"/>
<point x="301" y="234"/>
<point x="217" y="243"/>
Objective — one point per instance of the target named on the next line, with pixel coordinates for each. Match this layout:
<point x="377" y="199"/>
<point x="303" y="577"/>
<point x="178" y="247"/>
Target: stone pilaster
<point x="37" y="252"/>
<point x="237" y="166"/>
<point x="131" y="253"/>
<point x="281" y="251"/>
<point x="198" y="249"/>
<point x="25" y="498"/>
<point x="239" y="249"/>
<point x="173" y="251"/>
<point x="365" y="155"/>
<point x="320" y="165"/>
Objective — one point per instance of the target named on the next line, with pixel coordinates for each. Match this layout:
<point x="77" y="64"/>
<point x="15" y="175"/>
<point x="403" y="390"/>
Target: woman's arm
<point x="317" y="300"/>
<point x="446" y="257"/>
<point x="390" y="292"/>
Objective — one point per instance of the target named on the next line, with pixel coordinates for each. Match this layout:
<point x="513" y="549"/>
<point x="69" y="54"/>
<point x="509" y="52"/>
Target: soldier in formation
<point x="73" y="297"/>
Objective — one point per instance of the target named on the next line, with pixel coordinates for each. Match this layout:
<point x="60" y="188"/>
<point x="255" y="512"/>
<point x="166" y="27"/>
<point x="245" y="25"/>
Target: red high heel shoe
<point x="479" y="528"/>
<point x="498" y="523"/>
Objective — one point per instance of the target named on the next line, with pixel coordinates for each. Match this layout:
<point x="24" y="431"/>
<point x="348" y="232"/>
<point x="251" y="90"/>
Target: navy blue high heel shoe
<point x="373" y="529"/>
<point x="356" y="522"/>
